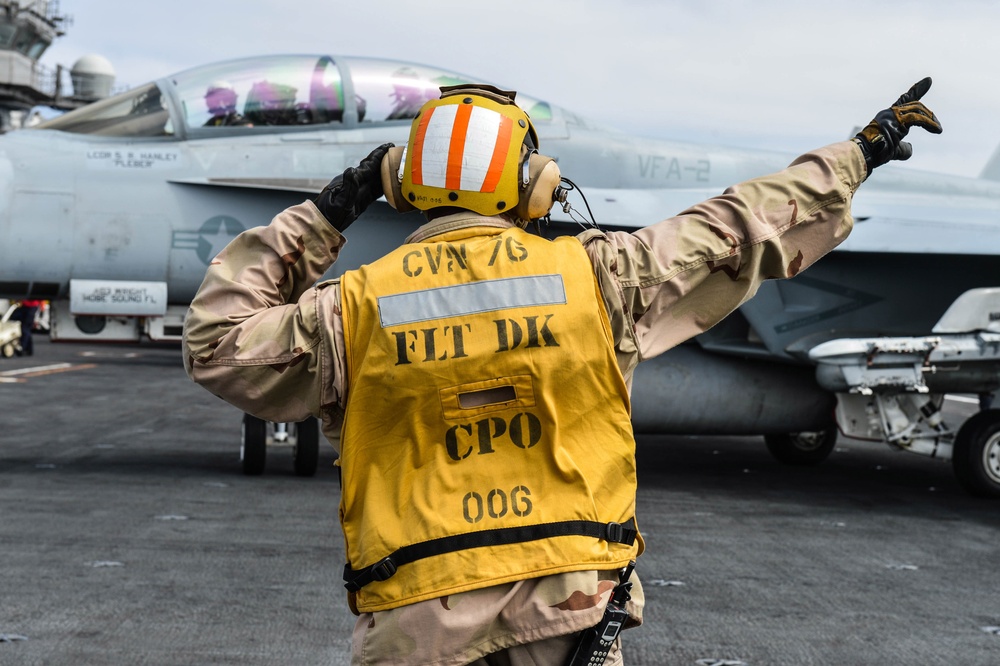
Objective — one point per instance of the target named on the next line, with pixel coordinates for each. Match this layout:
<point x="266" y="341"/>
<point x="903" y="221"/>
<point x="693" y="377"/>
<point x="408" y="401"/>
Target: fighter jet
<point x="114" y="211"/>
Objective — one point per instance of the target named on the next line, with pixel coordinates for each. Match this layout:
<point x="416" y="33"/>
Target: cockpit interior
<point x="271" y="93"/>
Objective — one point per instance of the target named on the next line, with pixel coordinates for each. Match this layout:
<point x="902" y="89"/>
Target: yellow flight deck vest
<point x="486" y="437"/>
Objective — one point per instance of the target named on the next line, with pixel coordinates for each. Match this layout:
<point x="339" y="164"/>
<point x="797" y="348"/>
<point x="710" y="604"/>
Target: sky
<point x="773" y="74"/>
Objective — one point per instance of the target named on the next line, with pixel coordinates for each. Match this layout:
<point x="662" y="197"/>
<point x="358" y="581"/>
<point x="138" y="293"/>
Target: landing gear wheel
<point x="802" y="448"/>
<point x="976" y="454"/>
<point x="305" y="454"/>
<point x="253" y="448"/>
<point x="7" y="350"/>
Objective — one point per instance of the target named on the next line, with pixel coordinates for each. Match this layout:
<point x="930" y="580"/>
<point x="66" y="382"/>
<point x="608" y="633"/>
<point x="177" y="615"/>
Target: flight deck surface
<point x="130" y="536"/>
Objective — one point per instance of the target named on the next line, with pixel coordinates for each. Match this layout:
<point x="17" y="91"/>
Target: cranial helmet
<point x="475" y="149"/>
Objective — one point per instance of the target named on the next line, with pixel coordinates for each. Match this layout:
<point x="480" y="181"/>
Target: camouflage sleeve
<point x="254" y="333"/>
<point x="675" y="279"/>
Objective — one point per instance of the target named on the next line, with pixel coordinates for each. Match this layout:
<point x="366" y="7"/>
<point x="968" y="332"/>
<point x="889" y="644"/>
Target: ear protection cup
<point x="537" y="192"/>
<point x="392" y="180"/>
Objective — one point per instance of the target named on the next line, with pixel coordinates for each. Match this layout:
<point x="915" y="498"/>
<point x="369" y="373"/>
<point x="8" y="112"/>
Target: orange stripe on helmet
<point x="499" y="155"/>
<point x="456" y="151"/>
<point x="416" y="171"/>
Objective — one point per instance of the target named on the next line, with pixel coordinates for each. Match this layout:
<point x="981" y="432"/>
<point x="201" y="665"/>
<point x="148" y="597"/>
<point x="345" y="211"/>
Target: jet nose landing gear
<point x="258" y="434"/>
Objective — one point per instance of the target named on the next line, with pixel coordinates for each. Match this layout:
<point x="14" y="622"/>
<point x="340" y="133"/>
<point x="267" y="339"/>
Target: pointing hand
<point x="882" y="139"/>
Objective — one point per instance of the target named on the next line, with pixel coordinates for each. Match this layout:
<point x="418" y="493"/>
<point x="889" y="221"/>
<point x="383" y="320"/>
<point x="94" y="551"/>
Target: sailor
<point x="482" y="373"/>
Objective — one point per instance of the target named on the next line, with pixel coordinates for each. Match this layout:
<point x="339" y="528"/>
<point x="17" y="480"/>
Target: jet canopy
<point x="270" y="94"/>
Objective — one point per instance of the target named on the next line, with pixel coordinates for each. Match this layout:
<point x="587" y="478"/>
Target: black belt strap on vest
<point x="383" y="569"/>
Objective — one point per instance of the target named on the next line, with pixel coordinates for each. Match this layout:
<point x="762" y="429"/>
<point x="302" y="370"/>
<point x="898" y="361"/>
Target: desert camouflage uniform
<point x="264" y="337"/>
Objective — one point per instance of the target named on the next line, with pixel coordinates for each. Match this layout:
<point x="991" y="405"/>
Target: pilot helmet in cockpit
<point x="220" y="98"/>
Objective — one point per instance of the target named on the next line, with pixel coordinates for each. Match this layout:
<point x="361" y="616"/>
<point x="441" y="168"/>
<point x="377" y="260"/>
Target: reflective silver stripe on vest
<point x="464" y="299"/>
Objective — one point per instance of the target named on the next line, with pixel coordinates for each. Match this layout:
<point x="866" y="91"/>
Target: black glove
<point x="882" y="139"/>
<point x="350" y="193"/>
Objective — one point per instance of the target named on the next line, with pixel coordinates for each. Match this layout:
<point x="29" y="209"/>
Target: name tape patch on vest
<point x="465" y="299"/>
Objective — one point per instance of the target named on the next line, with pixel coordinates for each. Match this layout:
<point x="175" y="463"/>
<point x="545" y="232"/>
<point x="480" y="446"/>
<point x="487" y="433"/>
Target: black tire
<point x="305" y="454"/>
<point x="253" y="448"/>
<point x="976" y="455"/>
<point x="802" y="448"/>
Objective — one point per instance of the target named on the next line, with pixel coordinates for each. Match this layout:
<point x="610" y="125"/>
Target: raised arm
<point x="255" y="330"/>
<point x="675" y="279"/>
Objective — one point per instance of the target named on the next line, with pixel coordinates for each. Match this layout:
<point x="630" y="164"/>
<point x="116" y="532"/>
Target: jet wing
<point x="304" y="185"/>
<point x="629" y="208"/>
<point x="930" y="218"/>
<point x="891" y="220"/>
<point x="902" y="235"/>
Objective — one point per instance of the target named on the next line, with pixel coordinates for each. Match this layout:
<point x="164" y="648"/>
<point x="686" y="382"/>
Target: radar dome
<point x="92" y="77"/>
